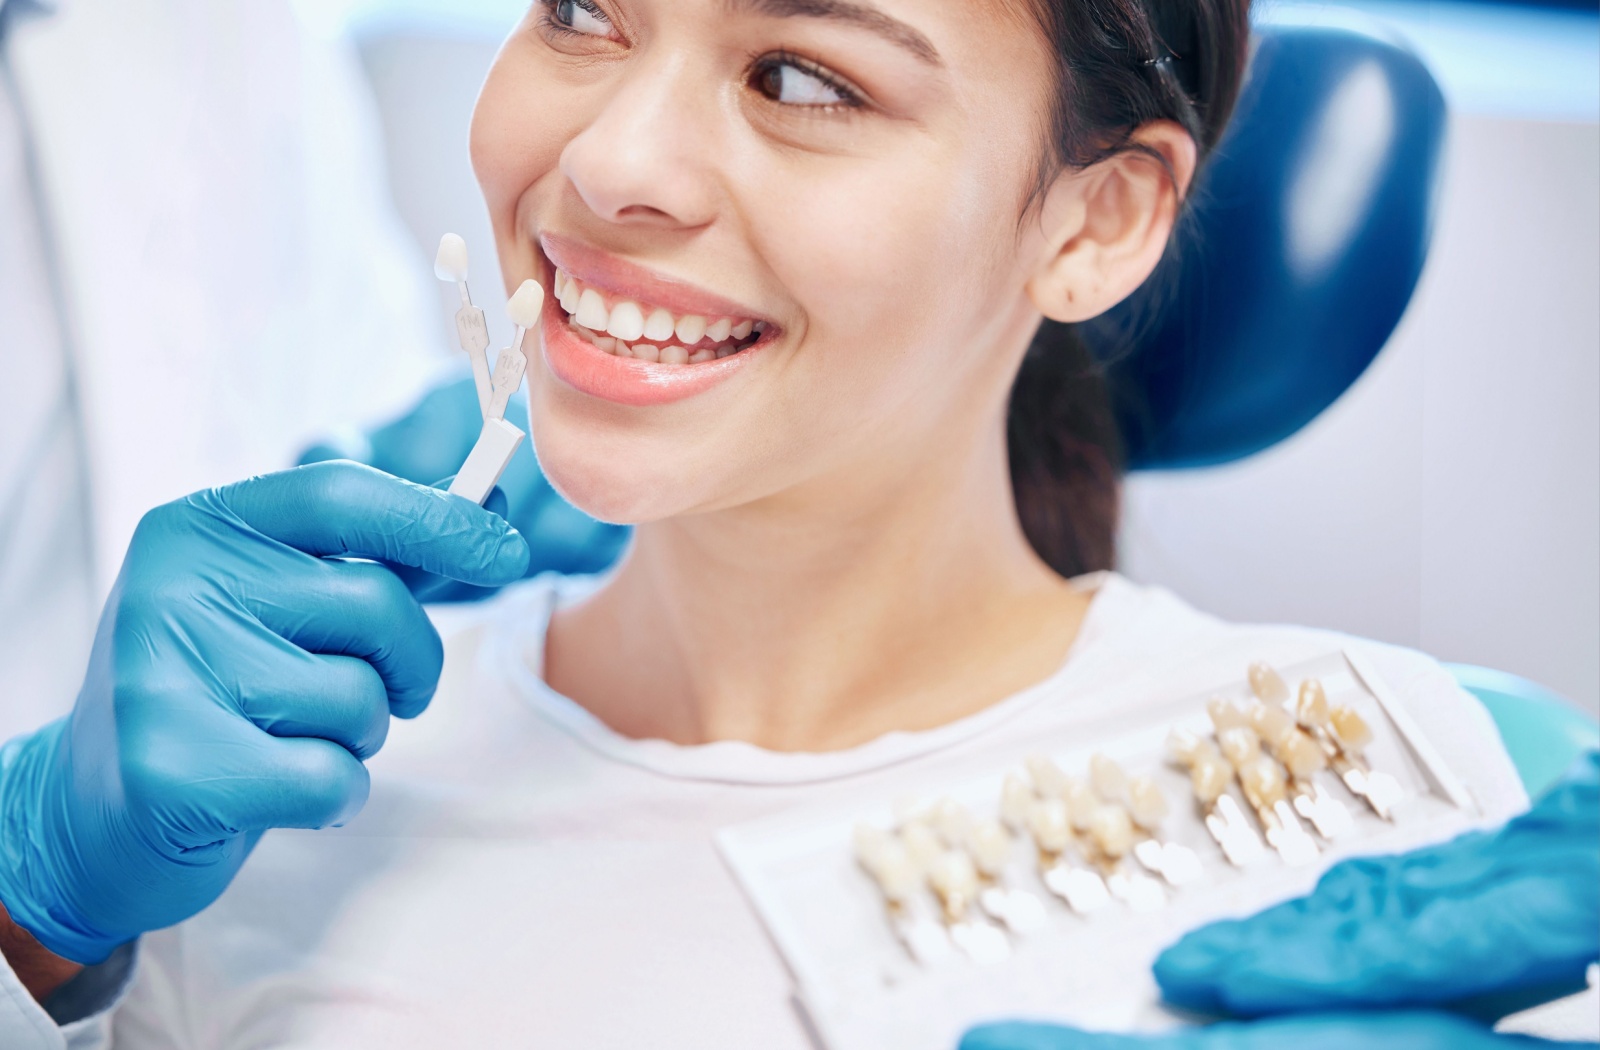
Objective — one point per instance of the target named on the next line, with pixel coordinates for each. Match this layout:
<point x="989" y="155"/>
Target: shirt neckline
<point x="517" y="652"/>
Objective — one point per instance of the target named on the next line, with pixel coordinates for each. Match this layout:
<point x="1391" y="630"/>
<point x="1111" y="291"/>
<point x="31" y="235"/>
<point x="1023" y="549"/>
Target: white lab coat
<point x="235" y="279"/>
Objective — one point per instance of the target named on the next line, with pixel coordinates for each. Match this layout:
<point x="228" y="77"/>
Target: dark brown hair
<point x="1119" y="64"/>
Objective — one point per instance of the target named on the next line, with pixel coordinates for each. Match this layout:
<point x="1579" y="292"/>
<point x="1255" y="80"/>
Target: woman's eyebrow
<point x="891" y="29"/>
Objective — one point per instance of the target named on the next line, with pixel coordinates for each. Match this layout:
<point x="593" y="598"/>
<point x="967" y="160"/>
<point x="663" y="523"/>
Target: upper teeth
<point x="626" y="321"/>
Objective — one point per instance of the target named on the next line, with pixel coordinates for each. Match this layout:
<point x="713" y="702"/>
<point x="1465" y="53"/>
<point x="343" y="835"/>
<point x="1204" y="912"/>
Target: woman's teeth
<point x="650" y="333"/>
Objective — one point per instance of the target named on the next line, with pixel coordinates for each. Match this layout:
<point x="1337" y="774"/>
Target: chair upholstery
<point x="1307" y="235"/>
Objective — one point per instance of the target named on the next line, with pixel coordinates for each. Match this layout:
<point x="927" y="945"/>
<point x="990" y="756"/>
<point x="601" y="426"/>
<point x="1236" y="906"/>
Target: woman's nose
<point x="646" y="157"/>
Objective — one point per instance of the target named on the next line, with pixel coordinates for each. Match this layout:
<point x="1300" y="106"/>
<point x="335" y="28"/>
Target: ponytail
<point x="1120" y="64"/>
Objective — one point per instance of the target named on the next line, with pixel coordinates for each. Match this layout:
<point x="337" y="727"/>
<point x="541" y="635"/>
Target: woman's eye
<point x="580" y="16"/>
<point x="795" y="84"/>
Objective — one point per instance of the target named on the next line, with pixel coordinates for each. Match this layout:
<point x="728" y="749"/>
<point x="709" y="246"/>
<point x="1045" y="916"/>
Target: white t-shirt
<point x="525" y="876"/>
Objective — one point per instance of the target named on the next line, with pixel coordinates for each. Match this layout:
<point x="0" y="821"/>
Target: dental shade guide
<point x="499" y="440"/>
<point x="1264" y="782"/>
<point x="1209" y="777"/>
<point x="1304" y="759"/>
<point x="988" y="843"/>
<point x="472" y="331"/>
<point x="1344" y="736"/>
<point x="512" y="363"/>
<point x="1047" y="817"/>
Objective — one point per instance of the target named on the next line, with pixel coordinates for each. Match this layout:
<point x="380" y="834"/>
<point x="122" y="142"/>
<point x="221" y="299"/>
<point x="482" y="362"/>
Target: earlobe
<point x="1106" y="227"/>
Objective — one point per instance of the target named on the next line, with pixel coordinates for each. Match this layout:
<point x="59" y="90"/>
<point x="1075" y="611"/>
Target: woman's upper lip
<point x="622" y="279"/>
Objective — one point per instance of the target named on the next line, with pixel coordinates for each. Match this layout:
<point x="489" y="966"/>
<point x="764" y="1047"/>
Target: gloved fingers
<point x="1482" y="924"/>
<point x="428" y="587"/>
<point x="1412" y="1029"/>
<point x="214" y="776"/>
<point x="344" y="509"/>
<point x="337" y="698"/>
<point x="360" y="609"/>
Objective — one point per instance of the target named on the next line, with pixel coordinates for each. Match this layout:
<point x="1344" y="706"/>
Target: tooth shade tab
<point x="525" y="303"/>
<point x="450" y="264"/>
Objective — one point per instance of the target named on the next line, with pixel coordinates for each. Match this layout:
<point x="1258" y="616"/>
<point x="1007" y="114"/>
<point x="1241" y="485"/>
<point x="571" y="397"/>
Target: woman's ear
<point x="1106" y="226"/>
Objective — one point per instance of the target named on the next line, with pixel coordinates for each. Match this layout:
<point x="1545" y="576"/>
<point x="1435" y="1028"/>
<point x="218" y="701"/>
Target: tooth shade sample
<point x="691" y="329"/>
<point x="719" y="329"/>
<point x="921" y="843"/>
<point x="1047" y="820"/>
<point x="1048" y="779"/>
<point x="1239" y="745"/>
<point x="1263" y="781"/>
<point x="1272" y="723"/>
<point x="1108" y="778"/>
<point x="1351" y="729"/>
<point x="592" y="311"/>
<point x="990" y="846"/>
<point x="1225" y="714"/>
<point x="1015" y="798"/>
<point x="1081" y="802"/>
<point x="450" y="264"/>
<point x="647" y="352"/>
<point x="674" y="355"/>
<point x="742" y="330"/>
<point x="1311" y="709"/>
<point x="626" y="321"/>
<point x="1303" y="755"/>
<point x="1209" y="778"/>
<point x="954" y="878"/>
<point x="1267" y="683"/>
<point x="1146" y="802"/>
<point x="658" y="326"/>
<point x="1112" y="830"/>
<point x="525" y="303"/>
<point x="1186" y="748"/>
<point x="953" y="821"/>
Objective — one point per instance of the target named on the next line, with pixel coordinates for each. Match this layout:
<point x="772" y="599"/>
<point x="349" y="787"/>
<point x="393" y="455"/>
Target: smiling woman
<point x="814" y="267"/>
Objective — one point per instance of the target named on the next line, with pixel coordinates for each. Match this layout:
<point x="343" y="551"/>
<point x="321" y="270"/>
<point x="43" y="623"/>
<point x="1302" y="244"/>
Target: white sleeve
<point x="79" y="1014"/>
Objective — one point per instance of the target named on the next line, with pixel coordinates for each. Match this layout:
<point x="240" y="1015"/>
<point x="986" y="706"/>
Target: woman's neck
<point x="809" y="623"/>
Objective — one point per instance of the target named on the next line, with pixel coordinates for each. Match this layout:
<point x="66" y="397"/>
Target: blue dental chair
<point x="1309" y="229"/>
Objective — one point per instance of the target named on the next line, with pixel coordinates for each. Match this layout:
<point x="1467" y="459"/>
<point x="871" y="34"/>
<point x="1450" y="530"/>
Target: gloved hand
<point x="241" y="672"/>
<point x="1446" y="939"/>
<point x="432" y="440"/>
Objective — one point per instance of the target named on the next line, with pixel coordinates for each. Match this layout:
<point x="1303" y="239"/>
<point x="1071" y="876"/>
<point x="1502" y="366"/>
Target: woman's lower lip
<point x="589" y="370"/>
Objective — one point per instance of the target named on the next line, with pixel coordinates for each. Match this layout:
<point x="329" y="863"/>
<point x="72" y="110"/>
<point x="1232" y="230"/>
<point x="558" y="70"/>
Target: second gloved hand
<point x="243" y="669"/>
<point x="431" y="441"/>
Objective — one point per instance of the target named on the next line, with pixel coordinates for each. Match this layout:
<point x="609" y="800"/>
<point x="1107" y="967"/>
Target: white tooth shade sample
<point x="450" y="264"/>
<point x="525" y="303"/>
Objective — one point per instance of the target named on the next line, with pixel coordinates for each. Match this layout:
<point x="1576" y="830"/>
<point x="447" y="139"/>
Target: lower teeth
<point x="667" y="355"/>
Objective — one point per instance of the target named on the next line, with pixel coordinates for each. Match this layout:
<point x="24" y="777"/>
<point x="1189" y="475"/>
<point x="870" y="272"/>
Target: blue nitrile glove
<point x="432" y="440"/>
<point x="1397" y="1029"/>
<point x="1448" y="938"/>
<point x="241" y="672"/>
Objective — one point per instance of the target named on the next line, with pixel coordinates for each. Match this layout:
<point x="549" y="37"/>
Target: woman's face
<point x="807" y="212"/>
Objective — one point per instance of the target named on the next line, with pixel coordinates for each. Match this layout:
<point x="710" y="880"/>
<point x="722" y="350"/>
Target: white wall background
<point x="1451" y="500"/>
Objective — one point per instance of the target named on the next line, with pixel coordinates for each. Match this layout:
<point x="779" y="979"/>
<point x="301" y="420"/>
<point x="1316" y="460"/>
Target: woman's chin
<point x="623" y="487"/>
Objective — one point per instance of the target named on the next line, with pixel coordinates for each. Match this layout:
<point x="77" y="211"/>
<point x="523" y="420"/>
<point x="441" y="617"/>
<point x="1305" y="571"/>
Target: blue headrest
<point x="1309" y="229"/>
